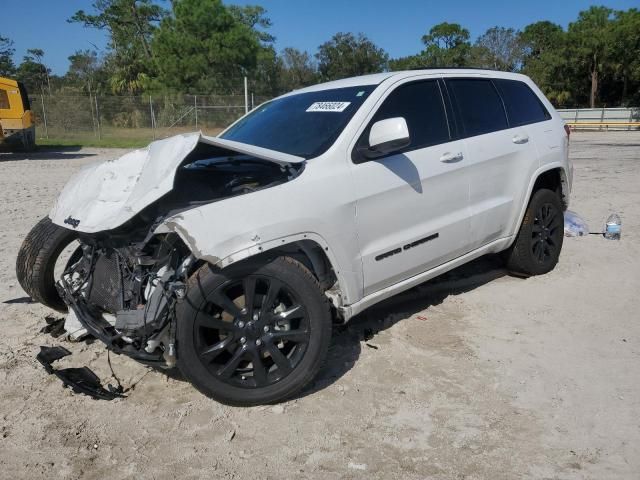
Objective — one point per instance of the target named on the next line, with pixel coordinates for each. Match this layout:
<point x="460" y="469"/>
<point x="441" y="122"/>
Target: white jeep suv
<point x="232" y="256"/>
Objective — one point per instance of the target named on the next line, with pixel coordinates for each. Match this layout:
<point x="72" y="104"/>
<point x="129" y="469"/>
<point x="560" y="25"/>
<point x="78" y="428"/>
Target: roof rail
<point x="458" y="68"/>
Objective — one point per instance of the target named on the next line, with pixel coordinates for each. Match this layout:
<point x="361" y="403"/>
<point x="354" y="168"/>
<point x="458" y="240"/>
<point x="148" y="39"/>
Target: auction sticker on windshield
<point x="328" y="106"/>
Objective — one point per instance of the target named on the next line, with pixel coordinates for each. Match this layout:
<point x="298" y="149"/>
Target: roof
<point x="8" y="81"/>
<point x="377" y="78"/>
<point x="373" y="79"/>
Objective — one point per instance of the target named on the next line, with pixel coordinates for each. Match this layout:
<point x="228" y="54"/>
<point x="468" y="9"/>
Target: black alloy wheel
<point x="253" y="333"/>
<point x="538" y="244"/>
<point x="547" y="224"/>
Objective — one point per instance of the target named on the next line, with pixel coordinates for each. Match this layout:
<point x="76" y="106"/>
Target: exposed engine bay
<point x="126" y="296"/>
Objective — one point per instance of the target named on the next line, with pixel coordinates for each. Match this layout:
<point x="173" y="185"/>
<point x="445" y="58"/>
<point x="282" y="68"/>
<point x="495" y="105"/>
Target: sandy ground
<point x="475" y="376"/>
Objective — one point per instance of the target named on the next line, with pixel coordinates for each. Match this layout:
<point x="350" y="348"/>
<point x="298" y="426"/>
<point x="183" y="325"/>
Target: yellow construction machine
<point x="17" y="130"/>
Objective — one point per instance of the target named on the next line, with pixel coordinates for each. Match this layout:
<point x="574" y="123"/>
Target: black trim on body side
<point x="406" y="247"/>
<point x="451" y="116"/>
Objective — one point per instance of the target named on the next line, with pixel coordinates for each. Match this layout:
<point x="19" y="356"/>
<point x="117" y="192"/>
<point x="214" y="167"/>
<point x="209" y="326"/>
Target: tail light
<point x="567" y="130"/>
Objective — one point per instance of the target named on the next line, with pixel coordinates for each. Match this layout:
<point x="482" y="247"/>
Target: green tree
<point x="7" y="67"/>
<point x="204" y="47"/>
<point x="407" y="63"/>
<point x="297" y="69"/>
<point x="85" y="71"/>
<point x="130" y="25"/>
<point x="545" y="60"/>
<point x="265" y="76"/>
<point x="589" y="40"/>
<point x="347" y="55"/>
<point x="254" y="17"/>
<point x="446" y="45"/>
<point x="499" y="48"/>
<point x="33" y="72"/>
<point x="625" y="54"/>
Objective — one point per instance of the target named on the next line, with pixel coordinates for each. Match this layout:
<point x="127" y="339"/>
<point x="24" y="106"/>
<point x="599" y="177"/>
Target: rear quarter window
<point x="478" y="105"/>
<point x="522" y="105"/>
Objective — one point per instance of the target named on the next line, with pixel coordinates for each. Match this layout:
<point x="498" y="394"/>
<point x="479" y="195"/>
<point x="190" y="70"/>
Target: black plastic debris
<point x="80" y="380"/>
<point x="368" y="334"/>
<point x="54" y="326"/>
<point x="48" y="355"/>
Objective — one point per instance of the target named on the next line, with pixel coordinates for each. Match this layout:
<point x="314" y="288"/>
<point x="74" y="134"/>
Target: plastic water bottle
<point x="612" y="229"/>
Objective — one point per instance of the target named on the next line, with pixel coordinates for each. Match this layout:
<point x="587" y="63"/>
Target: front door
<point x="412" y="207"/>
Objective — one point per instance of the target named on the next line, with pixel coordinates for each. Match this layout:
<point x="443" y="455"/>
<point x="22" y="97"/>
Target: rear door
<point x="526" y="110"/>
<point x="500" y="161"/>
<point x="411" y="206"/>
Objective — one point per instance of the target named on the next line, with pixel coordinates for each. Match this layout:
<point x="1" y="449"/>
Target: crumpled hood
<point x="103" y="196"/>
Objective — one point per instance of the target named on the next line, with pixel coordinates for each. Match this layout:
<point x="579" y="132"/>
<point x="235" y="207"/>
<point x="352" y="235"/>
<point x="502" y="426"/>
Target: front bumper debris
<point x="80" y="380"/>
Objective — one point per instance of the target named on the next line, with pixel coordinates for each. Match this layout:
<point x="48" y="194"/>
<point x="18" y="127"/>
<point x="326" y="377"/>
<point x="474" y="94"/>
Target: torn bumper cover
<point x="100" y="328"/>
<point x="80" y="380"/>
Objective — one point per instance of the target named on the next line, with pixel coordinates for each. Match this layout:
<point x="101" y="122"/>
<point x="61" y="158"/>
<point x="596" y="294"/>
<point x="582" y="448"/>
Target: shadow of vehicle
<point x="348" y="340"/>
<point x="19" y="300"/>
<point x="48" y="152"/>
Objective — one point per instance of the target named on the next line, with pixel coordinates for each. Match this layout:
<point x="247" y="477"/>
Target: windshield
<point x="304" y="124"/>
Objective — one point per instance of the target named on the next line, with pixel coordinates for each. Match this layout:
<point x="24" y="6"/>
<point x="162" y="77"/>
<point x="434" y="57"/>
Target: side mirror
<point x="387" y="136"/>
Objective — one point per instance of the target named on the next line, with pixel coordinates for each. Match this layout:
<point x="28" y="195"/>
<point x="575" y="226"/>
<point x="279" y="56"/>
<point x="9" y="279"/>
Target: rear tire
<point x="253" y="333"/>
<point x="36" y="262"/>
<point x="537" y="247"/>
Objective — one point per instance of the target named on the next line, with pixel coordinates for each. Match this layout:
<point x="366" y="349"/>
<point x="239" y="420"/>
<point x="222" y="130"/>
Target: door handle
<point x="520" y="139"/>
<point x="451" y="157"/>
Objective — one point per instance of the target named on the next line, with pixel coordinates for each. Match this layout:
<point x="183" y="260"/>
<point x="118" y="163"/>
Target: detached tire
<point x="537" y="247"/>
<point x="36" y="262"/>
<point x="253" y="333"/>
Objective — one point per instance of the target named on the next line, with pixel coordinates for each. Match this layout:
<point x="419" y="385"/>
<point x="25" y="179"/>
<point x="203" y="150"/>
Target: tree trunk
<point x="594" y="87"/>
<point x="594" y="81"/>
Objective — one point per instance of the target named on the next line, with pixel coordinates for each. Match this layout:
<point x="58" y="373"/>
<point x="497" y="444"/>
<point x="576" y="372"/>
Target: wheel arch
<point x="554" y="179"/>
<point x="551" y="176"/>
<point x="311" y="249"/>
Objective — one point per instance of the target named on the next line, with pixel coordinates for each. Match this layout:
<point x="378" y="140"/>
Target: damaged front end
<point x="126" y="295"/>
<point x="124" y="281"/>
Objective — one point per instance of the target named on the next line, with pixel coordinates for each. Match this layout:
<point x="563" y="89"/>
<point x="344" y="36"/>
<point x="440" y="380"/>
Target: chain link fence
<point x="133" y="119"/>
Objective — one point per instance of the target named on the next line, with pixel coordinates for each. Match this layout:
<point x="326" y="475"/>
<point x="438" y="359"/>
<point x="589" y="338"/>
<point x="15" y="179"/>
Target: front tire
<point x="537" y="247"/>
<point x="253" y="333"/>
<point x="36" y="262"/>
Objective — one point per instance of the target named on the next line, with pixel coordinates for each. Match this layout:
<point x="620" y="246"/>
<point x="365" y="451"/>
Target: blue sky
<point x="397" y="26"/>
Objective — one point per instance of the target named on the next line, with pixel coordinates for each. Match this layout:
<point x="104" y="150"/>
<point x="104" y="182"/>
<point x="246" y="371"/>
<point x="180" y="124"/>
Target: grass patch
<point x="92" y="142"/>
<point x="114" y="137"/>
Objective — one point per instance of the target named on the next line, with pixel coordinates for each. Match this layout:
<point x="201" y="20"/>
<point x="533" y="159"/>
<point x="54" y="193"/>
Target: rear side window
<point x="523" y="106"/>
<point x="478" y="105"/>
<point x="4" y="100"/>
<point x="421" y="105"/>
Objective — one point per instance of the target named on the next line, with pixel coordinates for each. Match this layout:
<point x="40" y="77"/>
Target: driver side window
<point x="421" y="105"/>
